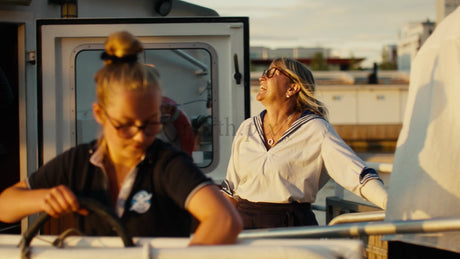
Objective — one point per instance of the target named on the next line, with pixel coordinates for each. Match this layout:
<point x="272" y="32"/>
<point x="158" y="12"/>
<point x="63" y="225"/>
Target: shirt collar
<point x="97" y="158"/>
<point x="304" y="113"/>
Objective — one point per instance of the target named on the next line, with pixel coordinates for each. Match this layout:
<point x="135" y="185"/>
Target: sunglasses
<point x="269" y="73"/>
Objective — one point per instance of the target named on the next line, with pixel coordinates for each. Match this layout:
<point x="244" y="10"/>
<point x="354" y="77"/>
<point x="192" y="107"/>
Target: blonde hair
<point x="302" y="76"/>
<point x="121" y="68"/>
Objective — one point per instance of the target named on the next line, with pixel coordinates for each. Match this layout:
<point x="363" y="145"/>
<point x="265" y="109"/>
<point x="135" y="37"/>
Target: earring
<point x="287" y="96"/>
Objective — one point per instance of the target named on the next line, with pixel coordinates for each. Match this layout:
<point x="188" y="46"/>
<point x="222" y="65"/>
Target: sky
<point x="350" y="28"/>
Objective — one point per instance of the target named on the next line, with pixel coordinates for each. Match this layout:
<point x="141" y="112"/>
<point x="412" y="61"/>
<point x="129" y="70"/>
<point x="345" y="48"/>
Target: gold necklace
<point x="271" y="140"/>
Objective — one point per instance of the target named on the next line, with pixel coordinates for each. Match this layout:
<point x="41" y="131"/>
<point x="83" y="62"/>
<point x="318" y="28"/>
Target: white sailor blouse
<point x="308" y="154"/>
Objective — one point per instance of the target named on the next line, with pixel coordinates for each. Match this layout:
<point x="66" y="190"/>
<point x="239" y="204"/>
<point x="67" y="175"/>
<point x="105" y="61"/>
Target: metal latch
<point x="31" y="57"/>
<point x="237" y="74"/>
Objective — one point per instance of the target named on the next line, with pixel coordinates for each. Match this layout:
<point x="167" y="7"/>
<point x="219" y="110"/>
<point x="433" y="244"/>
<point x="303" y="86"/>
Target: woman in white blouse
<point x="282" y="157"/>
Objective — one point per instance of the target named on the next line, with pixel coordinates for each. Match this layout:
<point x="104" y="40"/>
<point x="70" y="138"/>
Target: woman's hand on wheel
<point x="61" y="200"/>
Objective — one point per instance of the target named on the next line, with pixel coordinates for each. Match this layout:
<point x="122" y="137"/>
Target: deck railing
<point x="358" y="229"/>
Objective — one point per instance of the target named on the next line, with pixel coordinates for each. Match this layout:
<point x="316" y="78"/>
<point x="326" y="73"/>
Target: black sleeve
<point x="52" y="173"/>
<point x="180" y="177"/>
<point x="61" y="169"/>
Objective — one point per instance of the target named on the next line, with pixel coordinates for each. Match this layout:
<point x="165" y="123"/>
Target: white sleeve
<point x="374" y="192"/>
<point x="350" y="171"/>
<point x="341" y="163"/>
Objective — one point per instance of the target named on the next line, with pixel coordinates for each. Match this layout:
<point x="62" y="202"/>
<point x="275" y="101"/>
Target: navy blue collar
<point x="305" y="117"/>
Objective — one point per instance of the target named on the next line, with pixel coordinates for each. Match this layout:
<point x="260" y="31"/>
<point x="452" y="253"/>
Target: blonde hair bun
<point x="121" y="47"/>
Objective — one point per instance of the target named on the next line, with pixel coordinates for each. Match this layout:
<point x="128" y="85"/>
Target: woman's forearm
<point x="219" y="230"/>
<point x="375" y="192"/>
<point x="220" y="222"/>
<point x="17" y="202"/>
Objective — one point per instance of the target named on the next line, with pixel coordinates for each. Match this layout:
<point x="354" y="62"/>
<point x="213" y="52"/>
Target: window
<point x="187" y="75"/>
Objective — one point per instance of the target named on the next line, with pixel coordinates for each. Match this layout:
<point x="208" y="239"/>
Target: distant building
<point x="261" y="57"/>
<point x="280" y="52"/>
<point x="444" y="8"/>
<point x="334" y="64"/>
<point x="311" y="52"/>
<point x="412" y="36"/>
<point x="258" y="53"/>
<point x="390" y="55"/>
<point x="268" y="53"/>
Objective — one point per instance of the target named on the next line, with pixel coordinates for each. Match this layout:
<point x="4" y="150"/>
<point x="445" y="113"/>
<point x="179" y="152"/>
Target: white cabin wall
<point x="142" y="8"/>
<point x="116" y="8"/>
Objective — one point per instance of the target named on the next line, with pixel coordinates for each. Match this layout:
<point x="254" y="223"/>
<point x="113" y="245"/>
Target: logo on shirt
<point x="141" y="202"/>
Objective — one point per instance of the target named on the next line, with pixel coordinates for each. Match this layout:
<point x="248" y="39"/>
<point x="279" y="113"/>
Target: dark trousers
<point x="272" y="215"/>
<point x="402" y="250"/>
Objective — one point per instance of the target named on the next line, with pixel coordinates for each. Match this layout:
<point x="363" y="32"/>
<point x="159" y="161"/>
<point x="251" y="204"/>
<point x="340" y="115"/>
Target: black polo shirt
<point x="156" y="203"/>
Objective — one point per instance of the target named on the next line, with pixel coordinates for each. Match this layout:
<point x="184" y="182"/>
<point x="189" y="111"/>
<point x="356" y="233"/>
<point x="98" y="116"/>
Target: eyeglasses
<point x="269" y="73"/>
<point x="128" y="130"/>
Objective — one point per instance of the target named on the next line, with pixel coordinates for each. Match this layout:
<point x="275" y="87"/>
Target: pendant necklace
<point x="271" y="141"/>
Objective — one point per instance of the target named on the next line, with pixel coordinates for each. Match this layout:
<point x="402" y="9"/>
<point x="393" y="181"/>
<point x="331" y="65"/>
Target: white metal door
<point x="199" y="60"/>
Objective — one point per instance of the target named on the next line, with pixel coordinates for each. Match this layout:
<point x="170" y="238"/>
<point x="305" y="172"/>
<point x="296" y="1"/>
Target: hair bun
<point x="122" y="47"/>
<point x="114" y="59"/>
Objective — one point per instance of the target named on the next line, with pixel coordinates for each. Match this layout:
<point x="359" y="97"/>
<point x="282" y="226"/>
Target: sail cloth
<point x="425" y="182"/>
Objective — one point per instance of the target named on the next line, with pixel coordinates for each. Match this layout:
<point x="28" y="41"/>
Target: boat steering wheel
<point x="89" y="204"/>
